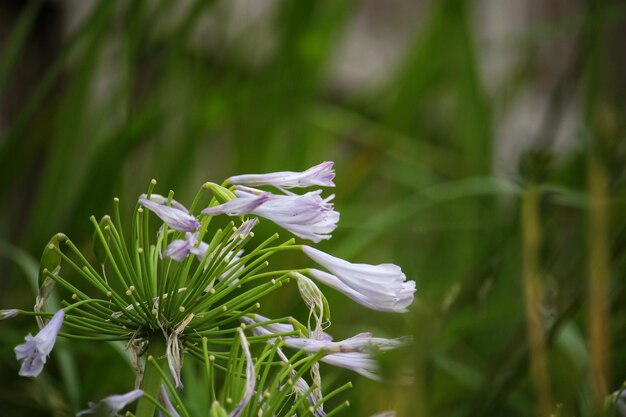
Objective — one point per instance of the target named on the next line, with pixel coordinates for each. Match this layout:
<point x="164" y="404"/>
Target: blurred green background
<point x="478" y="144"/>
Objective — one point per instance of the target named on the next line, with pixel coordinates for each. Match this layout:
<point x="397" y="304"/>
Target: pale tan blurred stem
<point x="533" y="295"/>
<point x="598" y="275"/>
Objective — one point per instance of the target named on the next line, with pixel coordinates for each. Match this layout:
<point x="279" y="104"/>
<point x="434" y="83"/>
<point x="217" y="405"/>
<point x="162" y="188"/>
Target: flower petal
<point x="238" y="206"/>
<point x="321" y="174"/>
<point x="35" y="351"/>
<point x="178" y="218"/>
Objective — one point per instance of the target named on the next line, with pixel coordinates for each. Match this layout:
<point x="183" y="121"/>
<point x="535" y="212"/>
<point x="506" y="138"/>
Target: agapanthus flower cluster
<point x="187" y="287"/>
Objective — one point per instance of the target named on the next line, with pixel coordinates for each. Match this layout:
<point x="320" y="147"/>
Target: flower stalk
<point x="151" y="382"/>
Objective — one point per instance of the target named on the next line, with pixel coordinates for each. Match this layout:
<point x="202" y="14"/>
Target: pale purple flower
<point x="321" y="174"/>
<point x="379" y="287"/>
<point x="35" y="351"/>
<point x="180" y="248"/>
<point x="165" y="402"/>
<point x="7" y="314"/>
<point x="362" y="342"/>
<point x="242" y="204"/>
<point x="250" y="376"/>
<point x="175" y="216"/>
<point x="307" y="216"/>
<point x="111" y="405"/>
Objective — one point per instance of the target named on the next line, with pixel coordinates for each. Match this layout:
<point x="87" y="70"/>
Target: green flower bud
<point x="222" y="194"/>
<point x="99" y="246"/>
<point x="50" y="258"/>
<point x="217" y="410"/>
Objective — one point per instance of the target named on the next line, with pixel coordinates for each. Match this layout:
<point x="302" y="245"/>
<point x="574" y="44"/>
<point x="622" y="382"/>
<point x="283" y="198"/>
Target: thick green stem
<point x="151" y="378"/>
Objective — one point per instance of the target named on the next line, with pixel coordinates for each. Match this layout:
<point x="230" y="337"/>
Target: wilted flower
<point x="379" y="287"/>
<point x="321" y="174"/>
<point x="110" y="406"/>
<point x="175" y="216"/>
<point x="35" y="351"/>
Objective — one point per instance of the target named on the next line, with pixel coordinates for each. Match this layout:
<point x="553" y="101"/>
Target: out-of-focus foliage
<point x="435" y="161"/>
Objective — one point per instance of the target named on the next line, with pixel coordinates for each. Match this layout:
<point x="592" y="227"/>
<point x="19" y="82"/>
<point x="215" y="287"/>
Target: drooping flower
<point x="111" y="405"/>
<point x="352" y="354"/>
<point x="321" y="174"/>
<point x="35" y="351"/>
<point x="239" y="206"/>
<point x="175" y="216"/>
<point x="7" y="314"/>
<point x="380" y="287"/>
<point x="179" y="249"/>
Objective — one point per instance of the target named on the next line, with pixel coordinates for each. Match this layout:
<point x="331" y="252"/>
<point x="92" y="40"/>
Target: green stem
<point x="151" y="378"/>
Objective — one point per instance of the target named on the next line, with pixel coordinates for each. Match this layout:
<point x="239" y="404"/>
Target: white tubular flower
<point x="307" y="216"/>
<point x="321" y="174"/>
<point x="362" y="342"/>
<point x="175" y="216"/>
<point x="379" y="287"/>
<point x="111" y="405"/>
<point x="239" y="206"/>
<point x="35" y="351"/>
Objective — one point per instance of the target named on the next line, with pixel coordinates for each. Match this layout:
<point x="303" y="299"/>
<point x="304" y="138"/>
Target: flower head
<point x="35" y="351"/>
<point x="379" y="287"/>
<point x="321" y="174"/>
<point x="110" y="406"/>
<point x="175" y="216"/>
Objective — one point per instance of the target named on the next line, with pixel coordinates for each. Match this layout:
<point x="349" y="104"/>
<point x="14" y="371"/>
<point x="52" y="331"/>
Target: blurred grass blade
<point x="18" y="37"/>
